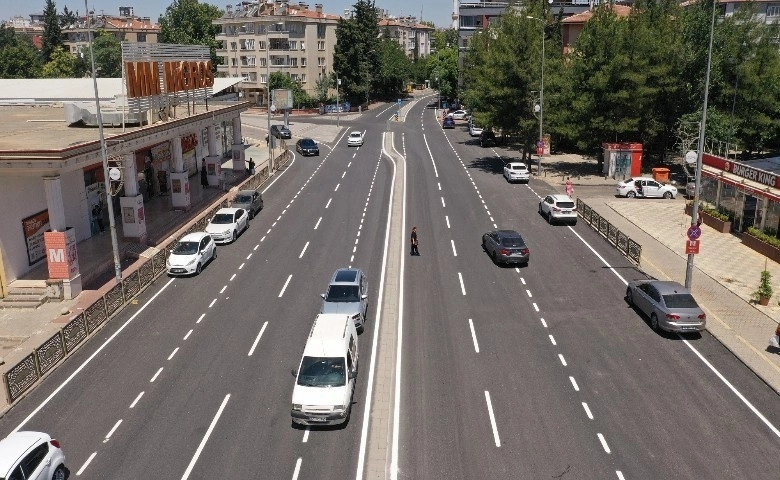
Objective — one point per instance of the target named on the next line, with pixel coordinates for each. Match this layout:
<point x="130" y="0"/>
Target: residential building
<point x="125" y="27"/>
<point x="571" y="27"/>
<point x="414" y="37"/>
<point x="265" y="36"/>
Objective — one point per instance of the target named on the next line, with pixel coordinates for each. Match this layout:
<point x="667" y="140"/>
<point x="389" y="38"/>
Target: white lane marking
<point x="212" y="303"/>
<point x="256" y="247"/>
<point x="552" y="339"/>
<point x="201" y="317"/>
<point x="439" y="184"/>
<point x="442" y="203"/>
<point x="318" y="223"/>
<point x="491" y="219"/>
<point x="241" y="266"/>
<point x="349" y="164"/>
<point x="474" y="336"/>
<point x="492" y="419"/>
<point x="342" y="175"/>
<point x="297" y="470"/>
<point x="328" y="204"/>
<point x="249" y="256"/>
<point x="285" y="286"/>
<point x="205" y="439"/>
<point x="544" y="324"/>
<point x="495" y="226"/>
<point x="536" y="307"/>
<point x="306" y="435"/>
<point x="620" y="475"/>
<point x="563" y="360"/>
<point x="454" y="252"/>
<point x="435" y="170"/>
<point x="274" y="224"/>
<point x="223" y="289"/>
<point x="269" y="231"/>
<point x="448" y="220"/>
<point x="156" y="375"/>
<point x="232" y="277"/>
<point x="132" y="405"/>
<point x="84" y="467"/>
<point x="111" y="432"/>
<point x="173" y="353"/>
<point x="528" y="292"/>
<point x="257" y="340"/>
<point x="277" y="219"/>
<point x="188" y="335"/>
<point x="587" y="410"/>
<point x="522" y="279"/>
<point x="574" y="384"/>
<point x="304" y="250"/>
<point x="354" y="249"/>
<point x="603" y="443"/>
<point x="337" y="187"/>
<point x="462" y="287"/>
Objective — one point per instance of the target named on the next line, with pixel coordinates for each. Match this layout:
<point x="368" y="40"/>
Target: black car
<point x="487" y="139"/>
<point x="506" y="246"/>
<point x="280" y="131"/>
<point x="307" y="146"/>
<point x="449" y="122"/>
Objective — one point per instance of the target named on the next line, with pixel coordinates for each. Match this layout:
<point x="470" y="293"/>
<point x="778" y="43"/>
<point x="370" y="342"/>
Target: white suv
<point x="558" y="208"/>
<point x="516" y="172"/>
<point x="31" y="455"/>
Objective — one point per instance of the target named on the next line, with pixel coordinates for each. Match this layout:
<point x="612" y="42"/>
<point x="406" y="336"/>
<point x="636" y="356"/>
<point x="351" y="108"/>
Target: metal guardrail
<point x="22" y="376"/>
<point x="618" y="239"/>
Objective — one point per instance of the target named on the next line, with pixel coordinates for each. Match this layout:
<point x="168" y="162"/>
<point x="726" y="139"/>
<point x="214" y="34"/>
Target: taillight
<point x="556" y="209"/>
<point x="574" y="209"/>
<point x="525" y="251"/>
<point x="672" y="316"/>
<point x="55" y="443"/>
<point x="703" y="316"/>
<point x="504" y="251"/>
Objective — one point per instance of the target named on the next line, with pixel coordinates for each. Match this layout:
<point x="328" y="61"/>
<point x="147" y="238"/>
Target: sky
<point x="437" y="11"/>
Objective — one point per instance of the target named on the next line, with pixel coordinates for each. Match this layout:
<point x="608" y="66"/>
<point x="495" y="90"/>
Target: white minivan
<point x="325" y="378"/>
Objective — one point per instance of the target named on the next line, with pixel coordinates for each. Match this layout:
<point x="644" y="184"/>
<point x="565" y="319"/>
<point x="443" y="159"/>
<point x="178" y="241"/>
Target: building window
<point x="293" y="62"/>
<point x="303" y="61"/>
<point x="320" y="61"/>
<point x="250" y="44"/>
<point x="261" y="45"/>
<point x="303" y="46"/>
<point x="320" y="31"/>
<point x="471" y="21"/>
<point x="320" y="45"/>
<point x="773" y="11"/>
<point x="263" y="78"/>
<point x="293" y="45"/>
<point x="303" y="78"/>
<point x="141" y="37"/>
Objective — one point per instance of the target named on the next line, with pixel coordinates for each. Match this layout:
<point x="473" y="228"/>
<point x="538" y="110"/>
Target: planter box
<point x="769" y="251"/>
<point x="716" y="223"/>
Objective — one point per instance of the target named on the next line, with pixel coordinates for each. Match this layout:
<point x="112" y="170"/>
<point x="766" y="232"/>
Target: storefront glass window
<point x="772" y="221"/>
<point x="728" y="200"/>
<point x="709" y="190"/>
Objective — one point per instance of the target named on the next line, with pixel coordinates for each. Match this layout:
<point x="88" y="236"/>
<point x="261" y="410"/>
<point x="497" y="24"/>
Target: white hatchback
<point x="516" y="172"/>
<point x="31" y="455"/>
<point x="227" y="224"/>
<point x="192" y="252"/>
<point x="355" y="139"/>
<point x="558" y="208"/>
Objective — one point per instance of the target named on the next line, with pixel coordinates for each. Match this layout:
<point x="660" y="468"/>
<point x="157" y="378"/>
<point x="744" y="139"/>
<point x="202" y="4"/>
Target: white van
<point x="325" y="378"/>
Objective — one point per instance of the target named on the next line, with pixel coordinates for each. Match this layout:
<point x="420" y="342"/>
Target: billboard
<point x="282" y="98"/>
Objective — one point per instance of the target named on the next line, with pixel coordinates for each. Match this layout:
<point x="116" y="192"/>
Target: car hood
<point x="347" y="308"/>
<point x="180" y="260"/>
<point x="219" y="228"/>
<point x="326" y="396"/>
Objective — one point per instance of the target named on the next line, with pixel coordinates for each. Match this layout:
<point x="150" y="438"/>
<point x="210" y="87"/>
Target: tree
<point x="61" y="64"/>
<point x="108" y="55"/>
<point x="67" y="18"/>
<point x="356" y="54"/>
<point x="188" y="22"/>
<point x="18" y="57"/>
<point x="394" y="71"/>
<point x="321" y="88"/>
<point x="441" y="39"/>
<point x="52" y="33"/>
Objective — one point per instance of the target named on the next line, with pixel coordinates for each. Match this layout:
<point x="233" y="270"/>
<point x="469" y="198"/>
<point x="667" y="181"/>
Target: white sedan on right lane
<point x="645" y="187"/>
<point x="355" y="139"/>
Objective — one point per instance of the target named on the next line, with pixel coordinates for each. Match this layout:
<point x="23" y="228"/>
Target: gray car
<point x="348" y="294"/>
<point x="249" y="200"/>
<point x="669" y="305"/>
<point x="506" y="246"/>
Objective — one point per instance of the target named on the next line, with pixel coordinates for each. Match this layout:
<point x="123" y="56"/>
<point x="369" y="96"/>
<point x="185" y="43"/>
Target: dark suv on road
<point x="487" y="139"/>
<point x="280" y="131"/>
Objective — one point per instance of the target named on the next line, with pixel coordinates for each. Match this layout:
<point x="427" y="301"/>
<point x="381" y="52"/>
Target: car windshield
<point x="512" y="241"/>
<point x="186" y="248"/>
<point x="354" y="134"/>
<point x="680" y="300"/>
<point x="307" y="143"/>
<point x="322" y="372"/>
<point x="342" y="293"/>
<point x="243" y="198"/>
<point x="222" y="218"/>
<point x="566" y="204"/>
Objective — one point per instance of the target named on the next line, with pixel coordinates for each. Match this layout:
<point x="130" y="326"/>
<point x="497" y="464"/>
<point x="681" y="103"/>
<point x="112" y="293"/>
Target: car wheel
<point x="667" y="195"/>
<point x="493" y="257"/>
<point x="631" y="194"/>
<point x="233" y="238"/>
<point x="629" y="297"/>
<point x="198" y="269"/>
<point x="540" y="209"/>
<point x="484" y="245"/>
<point x="214" y="255"/>
<point x="59" y="473"/>
<point x="654" y="322"/>
<point x="549" y="218"/>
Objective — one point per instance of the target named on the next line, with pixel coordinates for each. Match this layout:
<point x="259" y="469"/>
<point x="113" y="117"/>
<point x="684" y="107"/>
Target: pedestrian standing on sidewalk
<point x="569" y="187"/>
<point x="204" y="176"/>
<point x="251" y="166"/>
<point x="97" y="215"/>
<point x="414" y="242"/>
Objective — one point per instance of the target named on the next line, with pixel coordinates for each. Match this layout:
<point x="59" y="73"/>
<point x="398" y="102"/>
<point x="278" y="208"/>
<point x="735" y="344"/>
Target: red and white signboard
<point x="61" y="254"/>
<point x="691" y="247"/>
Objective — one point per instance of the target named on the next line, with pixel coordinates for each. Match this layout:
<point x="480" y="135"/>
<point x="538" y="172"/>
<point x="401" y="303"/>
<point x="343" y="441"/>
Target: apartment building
<point x="126" y="27"/>
<point x="414" y="37"/>
<point x="265" y="36"/>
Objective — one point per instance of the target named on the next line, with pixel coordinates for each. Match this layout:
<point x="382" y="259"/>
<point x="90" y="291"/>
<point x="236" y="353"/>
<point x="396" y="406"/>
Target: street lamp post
<point x="268" y="92"/>
<point x="541" y="98"/>
<point x="338" y="105"/>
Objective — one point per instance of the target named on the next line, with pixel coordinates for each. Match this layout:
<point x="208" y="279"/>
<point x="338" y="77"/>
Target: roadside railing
<point x="618" y="239"/>
<point x="32" y="368"/>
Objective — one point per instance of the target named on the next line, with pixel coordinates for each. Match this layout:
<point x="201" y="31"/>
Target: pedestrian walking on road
<point x="414" y="242"/>
<point x="569" y="187"/>
<point x="204" y="176"/>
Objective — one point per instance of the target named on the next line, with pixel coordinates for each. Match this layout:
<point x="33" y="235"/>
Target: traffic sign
<point x="694" y="232"/>
<point x="691" y="247"/>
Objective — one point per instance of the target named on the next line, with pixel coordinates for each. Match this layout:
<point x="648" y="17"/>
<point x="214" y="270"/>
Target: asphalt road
<point x="534" y="372"/>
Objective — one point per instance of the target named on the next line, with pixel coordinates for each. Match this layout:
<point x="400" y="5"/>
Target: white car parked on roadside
<point x="31" y="455"/>
<point x="516" y="172"/>
<point x="191" y="253"/>
<point x="227" y="224"/>
<point x="645" y="187"/>
<point x="474" y="130"/>
<point x="460" y="115"/>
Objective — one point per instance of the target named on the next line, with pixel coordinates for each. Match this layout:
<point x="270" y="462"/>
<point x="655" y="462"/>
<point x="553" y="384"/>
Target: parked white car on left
<point x="192" y="252"/>
<point x="227" y="224"/>
<point x="31" y="455"/>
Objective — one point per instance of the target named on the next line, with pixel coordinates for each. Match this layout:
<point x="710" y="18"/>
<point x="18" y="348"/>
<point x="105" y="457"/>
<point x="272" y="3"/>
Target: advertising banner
<point x="33" y="227"/>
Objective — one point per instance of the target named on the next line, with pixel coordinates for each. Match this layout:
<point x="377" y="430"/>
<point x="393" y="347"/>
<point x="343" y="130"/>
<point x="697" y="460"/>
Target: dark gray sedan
<point x="669" y="305"/>
<point x="506" y="246"/>
<point x="249" y="200"/>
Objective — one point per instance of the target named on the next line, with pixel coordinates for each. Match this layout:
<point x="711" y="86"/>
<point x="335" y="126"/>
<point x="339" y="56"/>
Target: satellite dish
<point x="114" y="174"/>
<point x="691" y="157"/>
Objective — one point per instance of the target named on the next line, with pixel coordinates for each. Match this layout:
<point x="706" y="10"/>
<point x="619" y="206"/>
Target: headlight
<point x="356" y="316"/>
<point x="296" y="407"/>
<point x="338" y="408"/>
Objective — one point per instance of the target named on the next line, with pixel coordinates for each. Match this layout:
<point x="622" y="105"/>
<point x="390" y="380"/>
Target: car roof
<point x="194" y="237"/>
<point x="306" y="140"/>
<point x="15" y="445"/>
<point x="666" y="287"/>
<point x="230" y="210"/>
<point x="345" y="275"/>
<point x="517" y="164"/>
<point x="558" y="197"/>
<point x="355" y="132"/>
<point x="246" y="192"/>
<point x="508" y="233"/>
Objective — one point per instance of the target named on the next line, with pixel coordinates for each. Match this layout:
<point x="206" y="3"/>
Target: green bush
<point x="766" y="238"/>
<point x="720" y="214"/>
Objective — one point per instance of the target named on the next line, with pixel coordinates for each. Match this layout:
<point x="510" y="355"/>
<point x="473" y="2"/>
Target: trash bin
<point x="661" y="175"/>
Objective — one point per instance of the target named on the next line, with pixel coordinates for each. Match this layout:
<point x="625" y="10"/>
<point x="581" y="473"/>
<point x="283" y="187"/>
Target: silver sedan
<point x="506" y="246"/>
<point x="669" y="305"/>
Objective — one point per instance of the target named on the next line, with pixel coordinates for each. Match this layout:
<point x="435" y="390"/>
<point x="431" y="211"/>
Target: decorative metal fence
<point x="22" y="376"/>
<point x="618" y="239"/>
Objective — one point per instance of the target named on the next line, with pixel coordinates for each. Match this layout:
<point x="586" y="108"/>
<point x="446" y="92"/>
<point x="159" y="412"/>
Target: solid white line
<point x="442" y="203"/>
<point x="173" y="353"/>
<point x="587" y="410"/>
<point x="111" y="432"/>
<point x="223" y="289"/>
<point x="84" y="467"/>
<point x="552" y="339"/>
<point x="304" y="250"/>
<point x="328" y="204"/>
<point x="285" y="286"/>
<point x="574" y="384"/>
<point x="563" y="360"/>
<point x="435" y="170"/>
<point x="136" y="399"/>
<point x="257" y="340"/>
<point x="448" y="220"/>
<point x="241" y="266"/>
<point x="603" y="443"/>
<point x="544" y="324"/>
<point x="156" y="375"/>
<point x="232" y="277"/>
<point x="201" y="317"/>
<point x="91" y="357"/>
<point x="492" y="419"/>
<point x="306" y="435"/>
<point x="454" y="252"/>
<point x="212" y="303"/>
<point x="318" y="223"/>
<point x="474" y="336"/>
<point x="188" y="335"/>
<point x="462" y="287"/>
<point x="205" y="439"/>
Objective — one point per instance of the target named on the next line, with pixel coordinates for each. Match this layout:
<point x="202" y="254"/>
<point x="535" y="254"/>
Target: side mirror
<point x="294" y="372"/>
<point x="363" y="297"/>
<point x="322" y="296"/>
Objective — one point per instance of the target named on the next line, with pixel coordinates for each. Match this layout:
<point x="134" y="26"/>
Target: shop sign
<point x="161" y="153"/>
<point x="189" y="142"/>
<point x="750" y="173"/>
<point x="143" y="78"/>
<point x="692" y="247"/>
<point x="33" y="227"/>
<point x="62" y="254"/>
